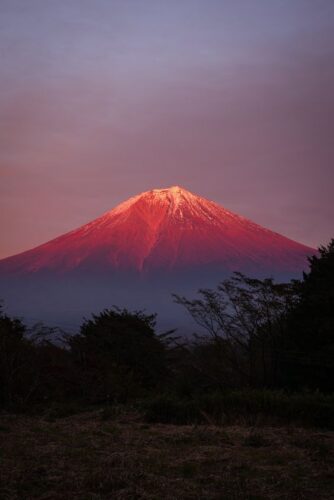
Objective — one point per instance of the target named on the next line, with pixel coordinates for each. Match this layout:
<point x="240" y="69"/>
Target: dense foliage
<point x="118" y="354"/>
<point x="310" y="331"/>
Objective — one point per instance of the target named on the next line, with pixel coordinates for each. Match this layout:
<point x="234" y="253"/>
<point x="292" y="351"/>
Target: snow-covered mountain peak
<point x="172" y="197"/>
<point x="165" y="229"/>
<point x="173" y="194"/>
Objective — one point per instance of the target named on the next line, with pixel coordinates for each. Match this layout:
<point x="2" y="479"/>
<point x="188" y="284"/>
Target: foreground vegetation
<point x="243" y="410"/>
<point x="109" y="454"/>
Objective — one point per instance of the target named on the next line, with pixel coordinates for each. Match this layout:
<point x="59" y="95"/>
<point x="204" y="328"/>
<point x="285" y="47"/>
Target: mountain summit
<point x="164" y="229"/>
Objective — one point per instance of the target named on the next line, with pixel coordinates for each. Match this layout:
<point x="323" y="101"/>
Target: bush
<point x="247" y="406"/>
<point x="118" y="355"/>
<point x="168" y="409"/>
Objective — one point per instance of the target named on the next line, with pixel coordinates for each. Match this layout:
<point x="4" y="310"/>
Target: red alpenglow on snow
<point x="164" y="229"/>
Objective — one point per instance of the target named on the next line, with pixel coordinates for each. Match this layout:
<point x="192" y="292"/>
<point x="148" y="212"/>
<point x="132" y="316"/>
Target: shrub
<point x="118" y="355"/>
<point x="247" y="406"/>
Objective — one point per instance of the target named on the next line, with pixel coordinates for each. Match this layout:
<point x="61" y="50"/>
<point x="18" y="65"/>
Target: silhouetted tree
<point x="17" y="376"/>
<point x="58" y="377"/>
<point x="245" y="319"/>
<point x="119" y="354"/>
<point x="32" y="367"/>
<point x="309" y="342"/>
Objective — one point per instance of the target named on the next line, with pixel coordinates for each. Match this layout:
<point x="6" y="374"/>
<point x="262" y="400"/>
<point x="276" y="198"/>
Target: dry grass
<point x="93" y="457"/>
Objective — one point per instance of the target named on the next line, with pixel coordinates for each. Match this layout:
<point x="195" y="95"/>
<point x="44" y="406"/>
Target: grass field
<point x="95" y="455"/>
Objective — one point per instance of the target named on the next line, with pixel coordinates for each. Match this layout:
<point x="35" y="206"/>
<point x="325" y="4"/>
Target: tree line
<point x="253" y="335"/>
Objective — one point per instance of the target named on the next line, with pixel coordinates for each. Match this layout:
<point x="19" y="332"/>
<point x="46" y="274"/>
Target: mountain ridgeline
<point x="136" y="255"/>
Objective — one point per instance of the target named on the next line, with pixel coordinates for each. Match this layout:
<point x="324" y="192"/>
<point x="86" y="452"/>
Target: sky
<point x="103" y="99"/>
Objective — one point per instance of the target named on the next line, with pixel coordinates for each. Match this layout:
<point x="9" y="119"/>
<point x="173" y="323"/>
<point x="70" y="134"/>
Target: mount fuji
<point x="164" y="229"/>
<point x="155" y="243"/>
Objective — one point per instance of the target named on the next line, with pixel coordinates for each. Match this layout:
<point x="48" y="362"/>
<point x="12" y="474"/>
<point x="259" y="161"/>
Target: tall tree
<point x="15" y="365"/>
<point x="310" y="335"/>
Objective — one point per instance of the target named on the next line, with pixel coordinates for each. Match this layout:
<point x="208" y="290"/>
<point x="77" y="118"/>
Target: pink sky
<point x="102" y="100"/>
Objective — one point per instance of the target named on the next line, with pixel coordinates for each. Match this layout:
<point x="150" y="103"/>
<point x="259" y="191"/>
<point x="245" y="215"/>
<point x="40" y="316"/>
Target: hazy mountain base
<point x="100" y="455"/>
<point x="64" y="300"/>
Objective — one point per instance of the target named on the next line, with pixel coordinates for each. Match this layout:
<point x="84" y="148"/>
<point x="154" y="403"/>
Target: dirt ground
<point x="90" y="457"/>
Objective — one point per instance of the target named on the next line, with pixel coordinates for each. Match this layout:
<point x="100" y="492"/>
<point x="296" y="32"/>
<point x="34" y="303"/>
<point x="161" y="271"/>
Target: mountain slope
<point x="164" y="230"/>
